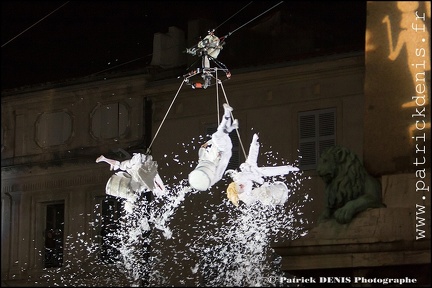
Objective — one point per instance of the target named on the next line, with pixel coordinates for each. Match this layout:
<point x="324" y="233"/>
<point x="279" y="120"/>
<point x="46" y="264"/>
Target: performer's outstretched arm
<point x="277" y="170"/>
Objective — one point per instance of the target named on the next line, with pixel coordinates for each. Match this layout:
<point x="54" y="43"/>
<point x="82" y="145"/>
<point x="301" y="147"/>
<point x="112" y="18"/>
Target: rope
<point x="166" y="114"/>
<point x="252" y="19"/>
<point x="33" y="25"/>
<point x="120" y="65"/>
<point x="217" y="97"/>
<point x="218" y="63"/>
<point x="238" y="134"/>
<point x="232" y="16"/>
<point x="217" y="81"/>
<point x="187" y="69"/>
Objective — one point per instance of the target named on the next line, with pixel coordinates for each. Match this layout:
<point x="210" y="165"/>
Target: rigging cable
<point x="230" y="33"/>
<point x="217" y="97"/>
<point x="152" y="53"/>
<point x="166" y="114"/>
<point x="232" y="116"/>
<point x="218" y="81"/>
<point x="124" y="63"/>
<point x="232" y="16"/>
<point x="33" y="25"/>
<point x="217" y="62"/>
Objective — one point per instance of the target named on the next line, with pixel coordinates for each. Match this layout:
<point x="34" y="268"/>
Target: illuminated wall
<point x="397" y="87"/>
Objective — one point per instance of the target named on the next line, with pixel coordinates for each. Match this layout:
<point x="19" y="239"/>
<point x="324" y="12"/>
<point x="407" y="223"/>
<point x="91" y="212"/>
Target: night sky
<point x="86" y="37"/>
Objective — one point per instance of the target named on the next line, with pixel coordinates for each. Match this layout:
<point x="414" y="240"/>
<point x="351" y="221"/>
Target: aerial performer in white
<point x="136" y="175"/>
<point x="242" y="189"/>
<point x="214" y="155"/>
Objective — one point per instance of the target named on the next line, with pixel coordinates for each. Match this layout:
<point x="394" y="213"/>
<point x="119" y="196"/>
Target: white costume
<point x="242" y="187"/>
<point x="138" y="174"/>
<point x="214" y="155"/>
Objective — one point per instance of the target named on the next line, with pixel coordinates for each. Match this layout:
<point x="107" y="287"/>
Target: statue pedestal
<point x="381" y="242"/>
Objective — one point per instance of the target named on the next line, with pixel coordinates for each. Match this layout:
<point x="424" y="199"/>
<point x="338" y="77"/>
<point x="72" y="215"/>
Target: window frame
<point x="54" y="128"/>
<point x="53" y="231"/>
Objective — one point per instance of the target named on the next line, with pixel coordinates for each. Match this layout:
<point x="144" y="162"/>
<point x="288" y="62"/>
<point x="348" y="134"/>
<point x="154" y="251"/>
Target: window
<point x="317" y="131"/>
<point x="53" y="128"/>
<point x="110" y="214"/>
<point x="54" y="228"/>
<point x="110" y="120"/>
<point x="234" y="162"/>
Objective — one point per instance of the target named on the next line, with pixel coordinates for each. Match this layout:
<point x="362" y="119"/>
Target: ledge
<point x="376" y="237"/>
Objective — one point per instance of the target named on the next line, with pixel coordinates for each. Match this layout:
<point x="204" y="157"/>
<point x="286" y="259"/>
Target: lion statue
<point x="349" y="188"/>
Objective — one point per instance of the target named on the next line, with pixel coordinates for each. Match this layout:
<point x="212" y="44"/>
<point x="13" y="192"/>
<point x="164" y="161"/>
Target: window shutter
<point x="327" y="130"/>
<point x="307" y="125"/>
<point x="317" y="132"/>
